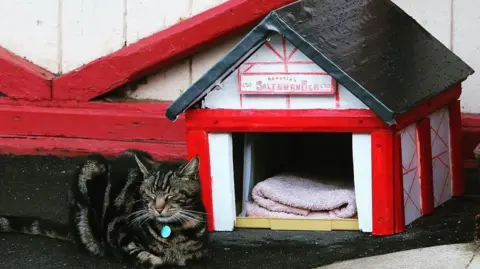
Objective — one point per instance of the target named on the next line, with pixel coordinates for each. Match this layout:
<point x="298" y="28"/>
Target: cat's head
<point x="170" y="191"/>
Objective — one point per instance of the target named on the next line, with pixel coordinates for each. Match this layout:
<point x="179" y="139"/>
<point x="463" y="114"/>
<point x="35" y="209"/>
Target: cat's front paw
<point x="181" y="262"/>
<point x="146" y="260"/>
<point x="155" y="266"/>
<point x="203" y="253"/>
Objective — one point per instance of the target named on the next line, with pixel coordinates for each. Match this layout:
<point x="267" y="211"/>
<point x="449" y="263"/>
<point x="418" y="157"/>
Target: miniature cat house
<point x="355" y="87"/>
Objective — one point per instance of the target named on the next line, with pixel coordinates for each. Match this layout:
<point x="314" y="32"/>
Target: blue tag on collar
<point x="166" y="231"/>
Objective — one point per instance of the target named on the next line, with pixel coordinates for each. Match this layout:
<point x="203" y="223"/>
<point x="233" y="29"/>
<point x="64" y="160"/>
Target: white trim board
<point x="223" y="184"/>
<point x="362" y="170"/>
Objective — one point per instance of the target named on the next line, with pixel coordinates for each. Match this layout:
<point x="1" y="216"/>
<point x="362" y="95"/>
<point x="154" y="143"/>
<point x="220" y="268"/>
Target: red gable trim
<point x="430" y="106"/>
<point x="149" y="54"/>
<point x="21" y="79"/>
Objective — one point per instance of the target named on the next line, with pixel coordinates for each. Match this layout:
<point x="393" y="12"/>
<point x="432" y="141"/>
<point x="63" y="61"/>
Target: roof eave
<point x="222" y="68"/>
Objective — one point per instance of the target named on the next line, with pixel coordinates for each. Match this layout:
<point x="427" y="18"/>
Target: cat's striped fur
<point x="118" y="207"/>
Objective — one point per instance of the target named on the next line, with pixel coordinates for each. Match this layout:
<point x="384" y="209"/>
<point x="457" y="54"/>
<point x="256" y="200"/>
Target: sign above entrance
<point x="286" y="83"/>
<point x="278" y="68"/>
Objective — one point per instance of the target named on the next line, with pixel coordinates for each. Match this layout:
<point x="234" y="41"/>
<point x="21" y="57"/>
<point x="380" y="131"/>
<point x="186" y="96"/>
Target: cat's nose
<point x="160" y="203"/>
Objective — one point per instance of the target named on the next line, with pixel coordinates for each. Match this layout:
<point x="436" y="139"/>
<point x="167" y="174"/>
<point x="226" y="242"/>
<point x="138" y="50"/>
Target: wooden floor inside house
<point x="298" y="224"/>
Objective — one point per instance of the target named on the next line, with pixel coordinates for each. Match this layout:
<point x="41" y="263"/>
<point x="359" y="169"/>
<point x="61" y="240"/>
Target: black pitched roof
<point x="372" y="47"/>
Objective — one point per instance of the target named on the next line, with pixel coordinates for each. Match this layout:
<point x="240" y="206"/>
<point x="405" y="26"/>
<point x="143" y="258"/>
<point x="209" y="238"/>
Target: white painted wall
<point x="223" y="186"/>
<point x="466" y="43"/>
<point x="61" y="35"/>
<point x="411" y="174"/>
<point x="32" y="29"/>
<point x="227" y="95"/>
<point x="441" y="163"/>
<point x="362" y="170"/>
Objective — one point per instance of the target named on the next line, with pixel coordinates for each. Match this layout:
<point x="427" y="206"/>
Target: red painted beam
<point x="322" y="120"/>
<point x="140" y="122"/>
<point x="197" y="145"/>
<point x="424" y="143"/>
<point x="387" y="185"/>
<point x="59" y="146"/>
<point x="21" y="79"/>
<point x="430" y="106"/>
<point x="470" y="137"/>
<point x="455" y="126"/>
<point x="149" y="54"/>
<point x="153" y="107"/>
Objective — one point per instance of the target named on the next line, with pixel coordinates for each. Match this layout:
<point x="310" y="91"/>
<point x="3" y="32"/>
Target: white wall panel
<point x="166" y="85"/>
<point x="199" y="6"/>
<point x="29" y="29"/>
<point x="90" y="29"/>
<point x="362" y="170"/>
<point x="466" y="44"/>
<point x="434" y="15"/>
<point x="146" y="17"/>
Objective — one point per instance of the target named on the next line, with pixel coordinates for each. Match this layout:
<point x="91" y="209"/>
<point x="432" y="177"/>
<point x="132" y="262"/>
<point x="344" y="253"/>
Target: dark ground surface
<point x="36" y="185"/>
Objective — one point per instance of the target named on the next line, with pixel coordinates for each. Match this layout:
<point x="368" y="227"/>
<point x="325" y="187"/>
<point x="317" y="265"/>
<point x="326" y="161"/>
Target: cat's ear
<point x="142" y="167"/>
<point x="191" y="168"/>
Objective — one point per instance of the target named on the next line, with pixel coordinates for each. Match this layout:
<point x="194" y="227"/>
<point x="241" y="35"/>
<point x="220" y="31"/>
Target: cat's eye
<point x="149" y="196"/>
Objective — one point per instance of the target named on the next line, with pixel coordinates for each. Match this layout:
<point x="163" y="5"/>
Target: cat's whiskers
<point x="177" y="217"/>
<point x="136" y="201"/>
<point x="190" y="217"/>
<point x="145" y="220"/>
<point x="195" y="212"/>
<point x="191" y="213"/>
<point x="138" y="212"/>
<point x="140" y="217"/>
<point x="136" y="221"/>
<point x="186" y="219"/>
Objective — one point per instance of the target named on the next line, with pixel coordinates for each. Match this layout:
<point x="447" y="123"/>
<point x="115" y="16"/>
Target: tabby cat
<point x="131" y="207"/>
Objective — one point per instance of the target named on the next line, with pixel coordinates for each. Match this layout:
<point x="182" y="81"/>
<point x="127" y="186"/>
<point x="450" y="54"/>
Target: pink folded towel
<point x="291" y="196"/>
